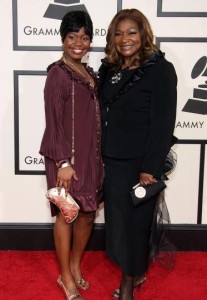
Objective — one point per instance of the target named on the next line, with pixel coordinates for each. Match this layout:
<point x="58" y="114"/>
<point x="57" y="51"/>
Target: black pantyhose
<point x="126" y="287"/>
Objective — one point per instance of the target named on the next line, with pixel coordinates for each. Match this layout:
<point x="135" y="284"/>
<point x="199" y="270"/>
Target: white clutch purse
<point x="65" y="202"/>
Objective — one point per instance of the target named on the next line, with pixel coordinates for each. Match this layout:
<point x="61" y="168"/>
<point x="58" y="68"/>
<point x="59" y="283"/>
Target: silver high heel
<point x="71" y="297"/>
<point x="137" y="284"/>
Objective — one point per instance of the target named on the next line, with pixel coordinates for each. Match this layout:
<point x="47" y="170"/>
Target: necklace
<point x="67" y="62"/>
<point x="85" y="75"/>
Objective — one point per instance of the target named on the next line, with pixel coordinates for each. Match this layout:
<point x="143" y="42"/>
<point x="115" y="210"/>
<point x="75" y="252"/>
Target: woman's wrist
<point x="63" y="163"/>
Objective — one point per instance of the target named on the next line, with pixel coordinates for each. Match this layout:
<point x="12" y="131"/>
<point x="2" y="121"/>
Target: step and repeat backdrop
<point x="30" y="41"/>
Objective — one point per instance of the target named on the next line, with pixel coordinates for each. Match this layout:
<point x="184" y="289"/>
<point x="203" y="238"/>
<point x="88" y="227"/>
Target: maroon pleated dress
<point x="56" y="143"/>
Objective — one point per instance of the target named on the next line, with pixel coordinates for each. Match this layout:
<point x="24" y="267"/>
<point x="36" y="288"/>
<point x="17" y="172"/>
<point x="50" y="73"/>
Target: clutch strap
<point x="72" y="161"/>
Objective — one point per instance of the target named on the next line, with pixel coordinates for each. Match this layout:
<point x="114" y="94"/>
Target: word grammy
<point x="28" y="30"/>
<point x="29" y="160"/>
<point x="190" y="124"/>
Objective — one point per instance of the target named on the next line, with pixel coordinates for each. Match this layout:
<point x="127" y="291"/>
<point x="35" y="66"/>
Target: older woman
<point x="138" y="103"/>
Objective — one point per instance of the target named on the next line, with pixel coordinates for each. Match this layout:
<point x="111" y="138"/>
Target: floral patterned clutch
<point x="65" y="202"/>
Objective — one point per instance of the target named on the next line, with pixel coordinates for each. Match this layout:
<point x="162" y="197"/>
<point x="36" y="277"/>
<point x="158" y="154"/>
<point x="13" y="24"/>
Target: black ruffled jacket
<point x="140" y="118"/>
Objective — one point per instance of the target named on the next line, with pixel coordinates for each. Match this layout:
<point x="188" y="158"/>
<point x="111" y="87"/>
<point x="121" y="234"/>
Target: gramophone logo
<point x="58" y="10"/>
<point x="198" y="104"/>
<point x="38" y="28"/>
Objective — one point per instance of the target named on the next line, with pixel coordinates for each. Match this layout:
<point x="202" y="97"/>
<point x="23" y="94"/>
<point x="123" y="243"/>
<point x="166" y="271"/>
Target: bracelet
<point x="60" y="162"/>
<point x="64" y="165"/>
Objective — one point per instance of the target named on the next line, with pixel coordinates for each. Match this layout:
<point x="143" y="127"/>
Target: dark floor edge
<point x="28" y="236"/>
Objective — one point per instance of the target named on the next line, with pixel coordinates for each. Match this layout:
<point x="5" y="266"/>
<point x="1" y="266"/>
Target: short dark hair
<point x="73" y="21"/>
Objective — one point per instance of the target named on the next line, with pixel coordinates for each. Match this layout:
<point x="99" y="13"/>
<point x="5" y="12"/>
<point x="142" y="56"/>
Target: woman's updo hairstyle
<point x="73" y="21"/>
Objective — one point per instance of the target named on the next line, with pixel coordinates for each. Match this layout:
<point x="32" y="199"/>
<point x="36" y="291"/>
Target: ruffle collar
<point x="75" y="76"/>
<point x="137" y="75"/>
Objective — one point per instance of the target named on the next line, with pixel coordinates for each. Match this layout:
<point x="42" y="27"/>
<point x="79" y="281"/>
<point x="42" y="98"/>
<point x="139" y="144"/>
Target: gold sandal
<point x="82" y="284"/>
<point x="71" y="297"/>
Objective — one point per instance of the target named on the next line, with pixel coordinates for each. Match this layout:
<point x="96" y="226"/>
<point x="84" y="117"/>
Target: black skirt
<point x="128" y="228"/>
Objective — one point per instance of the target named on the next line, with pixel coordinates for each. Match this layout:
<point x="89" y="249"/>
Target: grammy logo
<point x="57" y="11"/>
<point x="198" y="104"/>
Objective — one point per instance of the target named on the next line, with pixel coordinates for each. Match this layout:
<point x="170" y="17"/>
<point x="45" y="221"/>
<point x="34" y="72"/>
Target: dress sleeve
<point x="54" y="143"/>
<point x="162" y="119"/>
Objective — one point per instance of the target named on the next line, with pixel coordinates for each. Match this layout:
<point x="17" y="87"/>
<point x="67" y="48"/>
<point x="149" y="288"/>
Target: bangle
<point x="60" y="162"/>
<point x="64" y="165"/>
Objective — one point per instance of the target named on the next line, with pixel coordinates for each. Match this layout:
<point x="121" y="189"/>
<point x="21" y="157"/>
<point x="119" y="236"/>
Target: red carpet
<point x="29" y="275"/>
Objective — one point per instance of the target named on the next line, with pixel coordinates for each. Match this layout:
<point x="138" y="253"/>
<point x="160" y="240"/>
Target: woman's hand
<point x="64" y="177"/>
<point x="146" y="179"/>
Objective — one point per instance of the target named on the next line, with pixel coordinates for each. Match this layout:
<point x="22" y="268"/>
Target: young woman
<point x="138" y="103"/>
<point x="71" y="146"/>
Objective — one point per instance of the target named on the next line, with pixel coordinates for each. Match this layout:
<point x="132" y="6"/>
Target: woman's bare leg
<point x="81" y="233"/>
<point x="62" y="238"/>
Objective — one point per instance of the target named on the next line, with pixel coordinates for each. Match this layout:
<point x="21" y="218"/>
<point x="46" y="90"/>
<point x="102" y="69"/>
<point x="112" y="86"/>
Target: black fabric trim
<point x="136" y="76"/>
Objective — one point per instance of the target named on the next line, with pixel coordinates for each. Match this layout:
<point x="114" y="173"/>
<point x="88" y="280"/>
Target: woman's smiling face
<point x="76" y="44"/>
<point x="127" y="39"/>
